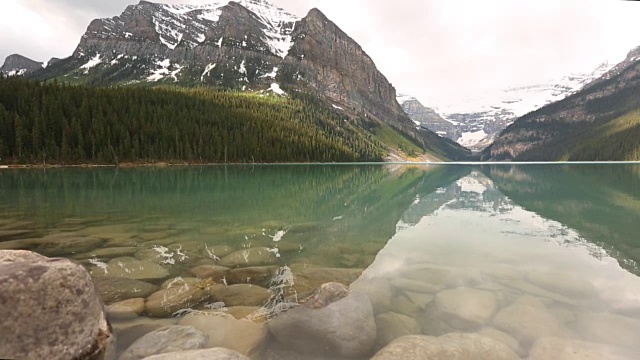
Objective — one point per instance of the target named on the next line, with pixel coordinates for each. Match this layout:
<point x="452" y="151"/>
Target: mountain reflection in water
<point x="536" y="257"/>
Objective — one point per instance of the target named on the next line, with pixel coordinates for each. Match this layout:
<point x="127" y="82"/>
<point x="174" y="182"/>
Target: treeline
<point x="57" y="123"/>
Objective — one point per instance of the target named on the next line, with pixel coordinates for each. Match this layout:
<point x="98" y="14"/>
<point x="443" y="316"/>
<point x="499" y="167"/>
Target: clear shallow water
<point x="526" y="251"/>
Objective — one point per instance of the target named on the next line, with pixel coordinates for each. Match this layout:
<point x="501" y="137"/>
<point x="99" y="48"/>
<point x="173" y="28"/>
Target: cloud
<point x="437" y="50"/>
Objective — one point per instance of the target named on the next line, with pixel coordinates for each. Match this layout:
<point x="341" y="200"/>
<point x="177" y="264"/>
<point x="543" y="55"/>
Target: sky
<point x="436" y="50"/>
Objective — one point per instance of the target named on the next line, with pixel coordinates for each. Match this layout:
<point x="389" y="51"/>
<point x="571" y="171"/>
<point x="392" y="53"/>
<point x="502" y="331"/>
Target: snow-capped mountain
<point x="245" y="45"/>
<point x="427" y="118"/>
<point x="480" y="119"/>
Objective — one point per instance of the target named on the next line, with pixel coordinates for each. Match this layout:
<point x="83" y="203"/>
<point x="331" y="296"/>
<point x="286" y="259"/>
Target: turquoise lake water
<point x="528" y="251"/>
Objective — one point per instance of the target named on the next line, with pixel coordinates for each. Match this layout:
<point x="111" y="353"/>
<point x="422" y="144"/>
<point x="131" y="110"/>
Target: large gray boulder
<point x="166" y="340"/>
<point x="447" y="347"/>
<point x="49" y="309"/>
<point x="344" y="328"/>
<point x="206" y="354"/>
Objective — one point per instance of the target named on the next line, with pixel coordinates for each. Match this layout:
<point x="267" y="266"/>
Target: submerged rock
<point x="567" y="284"/>
<point x="466" y="309"/>
<point x="167" y="302"/>
<point x="165" y="340"/>
<point x="344" y="328"/>
<point x="528" y="320"/>
<point x="610" y="329"/>
<point x="214" y="272"/>
<point x="205" y="354"/>
<point x="112" y="289"/>
<point x="50" y="309"/>
<point x="504" y="338"/>
<point x="450" y="346"/>
<point x="126" y="308"/>
<point x="131" y="268"/>
<point x="327" y="294"/>
<point x="243" y="336"/>
<point x="63" y="244"/>
<point x="257" y="275"/>
<point x="258" y="256"/>
<point x="240" y="295"/>
<point x="392" y="326"/>
<point x="569" y="349"/>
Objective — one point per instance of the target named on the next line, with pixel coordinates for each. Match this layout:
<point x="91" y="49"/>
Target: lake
<point x="540" y="258"/>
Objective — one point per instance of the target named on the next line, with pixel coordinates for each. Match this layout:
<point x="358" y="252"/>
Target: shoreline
<point x="170" y="164"/>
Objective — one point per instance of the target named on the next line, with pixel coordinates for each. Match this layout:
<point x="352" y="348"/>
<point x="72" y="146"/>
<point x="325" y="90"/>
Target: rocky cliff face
<point x="428" y="118"/>
<point x="550" y="132"/>
<point x="248" y="45"/>
<point x="16" y="65"/>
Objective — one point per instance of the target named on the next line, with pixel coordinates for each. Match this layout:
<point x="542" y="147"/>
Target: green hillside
<point x="56" y="123"/>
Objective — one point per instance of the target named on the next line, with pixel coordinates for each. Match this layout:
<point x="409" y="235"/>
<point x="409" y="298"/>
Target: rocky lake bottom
<point x="346" y="262"/>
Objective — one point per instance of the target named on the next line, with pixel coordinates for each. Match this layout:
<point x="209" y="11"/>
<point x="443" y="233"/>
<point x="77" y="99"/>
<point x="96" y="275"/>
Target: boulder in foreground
<point x="49" y="309"/>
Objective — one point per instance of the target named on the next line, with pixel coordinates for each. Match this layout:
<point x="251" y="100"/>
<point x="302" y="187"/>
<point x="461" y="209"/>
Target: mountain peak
<point x="16" y="65"/>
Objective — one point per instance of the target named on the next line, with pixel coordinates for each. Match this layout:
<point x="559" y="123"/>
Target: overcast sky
<point x="437" y="50"/>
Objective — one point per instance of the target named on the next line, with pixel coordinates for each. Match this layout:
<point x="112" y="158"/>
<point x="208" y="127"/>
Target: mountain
<point x="600" y="122"/>
<point x="251" y="46"/>
<point x="428" y="118"/>
<point x="17" y="65"/>
<point x="480" y="119"/>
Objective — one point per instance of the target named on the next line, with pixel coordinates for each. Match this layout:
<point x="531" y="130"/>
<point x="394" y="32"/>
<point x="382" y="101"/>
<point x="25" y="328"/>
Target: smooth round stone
<point x="392" y="326"/>
<point x="286" y="247"/>
<point x="240" y="295"/>
<point x="257" y="275"/>
<point x="377" y="290"/>
<point x="241" y="312"/>
<point x="504" y="338"/>
<point x="206" y="354"/>
<point x="126" y="308"/>
<point x="466" y="309"/>
<point x="111" y="252"/>
<point x="528" y="320"/>
<point x="439" y="277"/>
<point x="214" y="272"/>
<point x="307" y="279"/>
<point x="165" y="340"/>
<point x="180" y="282"/>
<point x="113" y="289"/>
<point x="419" y="299"/>
<point x="243" y="336"/>
<point x="344" y="328"/>
<point x="55" y="245"/>
<point x="217" y="252"/>
<point x="258" y="256"/>
<point x="129" y="331"/>
<point x="164" y="256"/>
<point x="570" y="349"/>
<point x="168" y="302"/>
<point x="131" y="268"/>
<point x="50" y="309"/>
<point x="450" y="346"/>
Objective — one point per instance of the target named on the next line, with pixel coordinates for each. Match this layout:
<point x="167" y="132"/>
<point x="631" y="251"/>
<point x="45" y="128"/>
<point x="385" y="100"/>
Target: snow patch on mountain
<point x="275" y="88"/>
<point x="207" y="70"/>
<point x="92" y="63"/>
<point x="279" y="25"/>
<point x="163" y="71"/>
